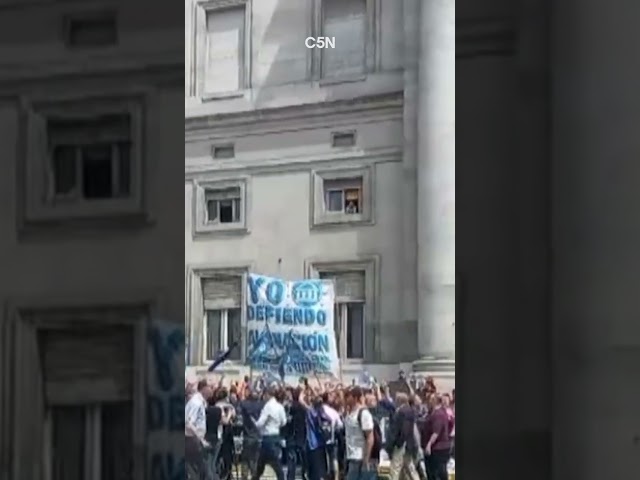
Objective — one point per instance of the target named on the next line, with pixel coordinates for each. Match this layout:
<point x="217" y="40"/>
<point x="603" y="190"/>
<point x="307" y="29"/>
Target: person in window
<point x="351" y="208"/>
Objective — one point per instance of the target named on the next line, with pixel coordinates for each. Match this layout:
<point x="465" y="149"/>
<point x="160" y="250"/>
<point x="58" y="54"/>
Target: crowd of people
<point x="319" y="430"/>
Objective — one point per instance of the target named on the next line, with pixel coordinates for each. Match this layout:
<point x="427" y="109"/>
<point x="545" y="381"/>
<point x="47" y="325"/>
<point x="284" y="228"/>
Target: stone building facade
<point x="305" y="163"/>
<point x="85" y="87"/>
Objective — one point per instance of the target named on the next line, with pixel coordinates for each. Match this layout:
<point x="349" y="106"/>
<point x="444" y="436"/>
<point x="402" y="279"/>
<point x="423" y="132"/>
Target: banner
<point x="165" y="402"/>
<point x="290" y="326"/>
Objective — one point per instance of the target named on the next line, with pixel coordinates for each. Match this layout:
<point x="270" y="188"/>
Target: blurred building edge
<point x="85" y="109"/>
<point x="332" y="163"/>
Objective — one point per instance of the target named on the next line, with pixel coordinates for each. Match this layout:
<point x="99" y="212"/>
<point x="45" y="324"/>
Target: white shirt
<point x="354" y="432"/>
<point x="336" y="421"/>
<point x="195" y="414"/>
<point x="272" y="418"/>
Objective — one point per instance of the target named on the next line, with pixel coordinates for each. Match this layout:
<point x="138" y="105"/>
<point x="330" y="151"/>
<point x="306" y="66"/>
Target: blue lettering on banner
<point x="287" y="316"/>
<point x="290" y="325"/>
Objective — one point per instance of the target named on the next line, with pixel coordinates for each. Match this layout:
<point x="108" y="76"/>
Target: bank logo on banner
<point x="290" y="326"/>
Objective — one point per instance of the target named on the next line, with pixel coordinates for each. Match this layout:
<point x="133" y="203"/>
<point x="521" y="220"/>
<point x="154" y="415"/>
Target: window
<point x="224" y="151"/>
<point x="349" y="315"/>
<point x="222" y="295"/>
<point x="92" y="441"/>
<point x="90" y="158"/>
<point x="220" y="207"/>
<point x="223" y="206"/>
<point x="89" y="403"/>
<point x="84" y="161"/>
<point x="223" y="329"/>
<point x="222" y="36"/>
<point x="343" y="139"/>
<point x="91" y="30"/>
<point x="342" y="196"/>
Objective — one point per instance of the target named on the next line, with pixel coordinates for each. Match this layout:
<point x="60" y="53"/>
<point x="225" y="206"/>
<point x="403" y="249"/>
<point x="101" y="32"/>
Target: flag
<point x="222" y="357"/>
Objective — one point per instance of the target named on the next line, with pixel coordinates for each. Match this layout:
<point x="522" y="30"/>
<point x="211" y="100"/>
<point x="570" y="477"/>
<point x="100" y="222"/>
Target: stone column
<point x="436" y="189"/>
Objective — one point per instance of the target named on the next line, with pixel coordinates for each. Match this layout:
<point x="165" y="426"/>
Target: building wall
<point x="281" y="128"/>
<point x="63" y="263"/>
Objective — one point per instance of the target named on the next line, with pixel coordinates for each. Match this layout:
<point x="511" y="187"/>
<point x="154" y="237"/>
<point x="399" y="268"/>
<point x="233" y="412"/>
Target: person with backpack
<point x="359" y="437"/>
<point x="403" y="442"/>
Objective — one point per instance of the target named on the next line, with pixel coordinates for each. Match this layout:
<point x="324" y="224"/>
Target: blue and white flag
<point x="290" y="326"/>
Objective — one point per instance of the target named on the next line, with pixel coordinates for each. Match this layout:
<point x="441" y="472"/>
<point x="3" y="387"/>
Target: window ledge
<point x="238" y="229"/>
<point x="338" y="80"/>
<point x="212" y="97"/>
<point x="66" y="225"/>
<point x="337" y="221"/>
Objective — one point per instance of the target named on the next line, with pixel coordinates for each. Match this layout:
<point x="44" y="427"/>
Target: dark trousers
<point x="333" y="466"/>
<point x="296" y="457"/>
<point x="317" y="459"/>
<point x="270" y="454"/>
<point x="194" y="458"/>
<point x="437" y="464"/>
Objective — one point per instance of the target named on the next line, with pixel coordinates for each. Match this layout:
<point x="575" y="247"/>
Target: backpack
<point x="377" y="435"/>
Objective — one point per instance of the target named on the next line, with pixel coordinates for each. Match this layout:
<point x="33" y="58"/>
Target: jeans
<point x="317" y="461"/>
<point x="211" y="460"/>
<point x="356" y="471"/>
<point x="270" y="454"/>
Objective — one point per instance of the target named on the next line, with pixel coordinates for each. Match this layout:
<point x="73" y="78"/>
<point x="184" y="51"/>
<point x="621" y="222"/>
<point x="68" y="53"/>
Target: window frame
<point x="201" y="225"/>
<point x="371" y="48"/>
<point x="322" y="218"/>
<point x="39" y="204"/>
<point x="197" y="313"/>
<point x="28" y="318"/>
<point x="224" y="319"/>
<point x="202" y="8"/>
<point x="314" y="268"/>
<point x="342" y="308"/>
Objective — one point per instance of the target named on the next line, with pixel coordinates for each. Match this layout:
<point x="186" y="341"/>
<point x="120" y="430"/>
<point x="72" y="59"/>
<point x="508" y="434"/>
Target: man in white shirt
<point x="358" y="425"/>
<point x="272" y="418"/>
<point x="195" y="428"/>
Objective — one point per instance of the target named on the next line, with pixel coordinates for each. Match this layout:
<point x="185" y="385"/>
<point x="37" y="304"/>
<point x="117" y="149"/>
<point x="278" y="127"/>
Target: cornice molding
<point x="265" y="166"/>
<point x="485" y="37"/>
<point x="164" y="68"/>
<point x="259" y="122"/>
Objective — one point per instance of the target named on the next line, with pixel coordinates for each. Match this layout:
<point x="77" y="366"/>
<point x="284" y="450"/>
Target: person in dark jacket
<point x="403" y="443"/>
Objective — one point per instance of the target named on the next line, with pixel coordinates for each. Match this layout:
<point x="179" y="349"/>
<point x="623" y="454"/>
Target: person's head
<point x="402" y="399"/>
<point x="435" y="402"/>
<point x="402" y="375"/>
<point x="205" y="389"/>
<point x="370" y="400"/>
<point x="353" y="397"/>
<point x="446" y="400"/>
<point x="222" y="395"/>
<point x="270" y="392"/>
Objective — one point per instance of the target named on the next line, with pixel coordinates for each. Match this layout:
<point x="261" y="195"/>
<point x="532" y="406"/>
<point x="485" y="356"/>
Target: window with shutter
<point x="222" y="292"/>
<point x="224" y="47"/>
<point x="346" y="21"/>
<point x="75" y="371"/>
